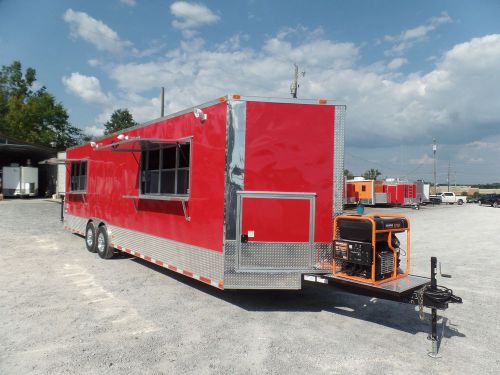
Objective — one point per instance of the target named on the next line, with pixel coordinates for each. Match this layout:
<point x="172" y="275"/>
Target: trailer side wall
<point x="113" y="175"/>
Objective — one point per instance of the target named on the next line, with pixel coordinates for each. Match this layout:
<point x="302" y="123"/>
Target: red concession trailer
<point x="402" y="193"/>
<point x="239" y="192"/>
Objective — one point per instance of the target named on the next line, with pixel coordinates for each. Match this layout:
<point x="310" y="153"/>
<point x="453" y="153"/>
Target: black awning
<point x="138" y="144"/>
<point x="53" y="161"/>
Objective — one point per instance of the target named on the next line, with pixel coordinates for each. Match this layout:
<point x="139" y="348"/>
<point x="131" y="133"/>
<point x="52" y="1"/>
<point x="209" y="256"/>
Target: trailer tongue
<point x="367" y="260"/>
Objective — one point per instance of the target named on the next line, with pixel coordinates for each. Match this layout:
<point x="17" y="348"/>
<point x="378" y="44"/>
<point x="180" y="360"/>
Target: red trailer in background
<point x="238" y="193"/>
<point x="402" y="193"/>
<point x="389" y="192"/>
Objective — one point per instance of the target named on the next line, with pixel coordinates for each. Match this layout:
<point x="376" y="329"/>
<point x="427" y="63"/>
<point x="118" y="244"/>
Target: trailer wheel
<point x="90" y="237"/>
<point x="103" y="249"/>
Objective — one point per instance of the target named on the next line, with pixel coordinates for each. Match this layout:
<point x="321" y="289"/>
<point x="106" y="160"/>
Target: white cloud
<point x="94" y="130"/>
<point x="397" y="63"/>
<point x="94" y="31"/>
<point x="423" y="160"/>
<point x="86" y="87"/>
<point x="469" y="159"/>
<point x="233" y="43"/>
<point x="191" y="15"/>
<point x="93" y="62"/>
<point x="407" y="38"/>
<point x="130" y="3"/>
<point x="484" y="145"/>
<point x="200" y="73"/>
<point x="456" y="102"/>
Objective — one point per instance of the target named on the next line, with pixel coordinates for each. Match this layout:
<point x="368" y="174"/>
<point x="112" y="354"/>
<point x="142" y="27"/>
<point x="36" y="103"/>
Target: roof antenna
<point x="162" y="102"/>
<point x="295" y="84"/>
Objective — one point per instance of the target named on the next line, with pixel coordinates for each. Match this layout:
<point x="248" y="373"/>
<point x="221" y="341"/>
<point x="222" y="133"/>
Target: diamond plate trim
<point x="273" y="255"/>
<point x="324" y="256"/>
<point x="255" y="280"/>
<point x="75" y="224"/>
<point x="197" y="260"/>
<point x="338" y="160"/>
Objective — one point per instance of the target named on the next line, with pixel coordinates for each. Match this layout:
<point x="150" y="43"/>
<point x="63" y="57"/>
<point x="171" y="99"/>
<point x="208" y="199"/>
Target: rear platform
<point x="394" y="289"/>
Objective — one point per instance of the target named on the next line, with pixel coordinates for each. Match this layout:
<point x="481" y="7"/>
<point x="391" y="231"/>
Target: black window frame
<point x="145" y="174"/>
<point x="78" y="176"/>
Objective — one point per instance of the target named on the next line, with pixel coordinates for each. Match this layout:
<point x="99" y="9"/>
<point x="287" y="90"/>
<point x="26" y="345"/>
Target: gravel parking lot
<point x="66" y="311"/>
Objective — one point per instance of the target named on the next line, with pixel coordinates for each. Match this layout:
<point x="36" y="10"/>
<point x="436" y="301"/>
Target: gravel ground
<point x="65" y="311"/>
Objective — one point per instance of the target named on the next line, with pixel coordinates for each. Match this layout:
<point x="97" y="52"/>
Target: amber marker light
<point x="236" y="96"/>
<point x="322" y="101"/>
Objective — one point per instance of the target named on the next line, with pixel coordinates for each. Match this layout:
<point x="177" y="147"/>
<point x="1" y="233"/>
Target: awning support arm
<point x="184" y="208"/>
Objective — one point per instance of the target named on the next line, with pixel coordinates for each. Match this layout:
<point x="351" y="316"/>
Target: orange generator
<point x="367" y="249"/>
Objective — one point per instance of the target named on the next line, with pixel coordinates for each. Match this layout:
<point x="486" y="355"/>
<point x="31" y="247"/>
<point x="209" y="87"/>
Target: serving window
<point x="165" y="170"/>
<point x="78" y="176"/>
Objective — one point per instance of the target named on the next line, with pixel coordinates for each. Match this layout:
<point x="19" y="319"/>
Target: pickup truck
<point x="450" y="198"/>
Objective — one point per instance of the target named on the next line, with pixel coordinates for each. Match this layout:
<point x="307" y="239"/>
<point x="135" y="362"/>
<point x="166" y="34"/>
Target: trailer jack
<point x="434" y="297"/>
<point x="411" y="289"/>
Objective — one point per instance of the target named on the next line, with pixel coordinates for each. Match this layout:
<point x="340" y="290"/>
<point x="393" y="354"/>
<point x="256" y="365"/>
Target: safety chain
<point x="420" y="297"/>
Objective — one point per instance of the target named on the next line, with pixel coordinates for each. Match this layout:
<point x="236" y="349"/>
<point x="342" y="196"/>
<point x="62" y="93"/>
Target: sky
<point x="409" y="72"/>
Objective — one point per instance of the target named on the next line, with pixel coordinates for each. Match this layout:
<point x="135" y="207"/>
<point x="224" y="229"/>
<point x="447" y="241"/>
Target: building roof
<point x="12" y="149"/>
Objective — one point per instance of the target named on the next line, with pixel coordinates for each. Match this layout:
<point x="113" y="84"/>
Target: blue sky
<point x="408" y="71"/>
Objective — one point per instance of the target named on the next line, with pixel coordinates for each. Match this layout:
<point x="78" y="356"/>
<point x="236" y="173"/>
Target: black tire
<point x="479" y="202"/>
<point x="495" y="204"/>
<point x="460" y="202"/>
<point x="102" y="243"/>
<point x="90" y="237"/>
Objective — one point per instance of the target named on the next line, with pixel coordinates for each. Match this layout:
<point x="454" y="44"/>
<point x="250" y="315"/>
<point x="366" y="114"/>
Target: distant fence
<point x="468" y="189"/>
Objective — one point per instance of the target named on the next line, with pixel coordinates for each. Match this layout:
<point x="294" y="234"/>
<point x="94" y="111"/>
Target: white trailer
<point x="423" y="192"/>
<point x="20" y="181"/>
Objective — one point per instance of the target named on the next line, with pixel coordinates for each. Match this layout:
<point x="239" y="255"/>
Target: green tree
<point x="371" y="174"/>
<point x="32" y="116"/>
<point x="120" y="119"/>
<point x="348" y="174"/>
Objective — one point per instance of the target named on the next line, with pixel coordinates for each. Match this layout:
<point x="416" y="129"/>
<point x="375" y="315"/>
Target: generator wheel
<point x="90" y="237"/>
<point x="103" y="249"/>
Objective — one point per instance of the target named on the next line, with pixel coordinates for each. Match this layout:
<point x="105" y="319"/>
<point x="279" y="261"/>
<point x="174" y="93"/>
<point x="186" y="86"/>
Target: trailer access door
<point x="275" y="231"/>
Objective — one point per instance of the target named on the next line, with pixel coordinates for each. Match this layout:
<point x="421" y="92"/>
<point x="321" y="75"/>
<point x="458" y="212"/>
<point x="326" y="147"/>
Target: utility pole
<point x="295" y="83"/>
<point x="434" y="149"/>
<point x="449" y="171"/>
